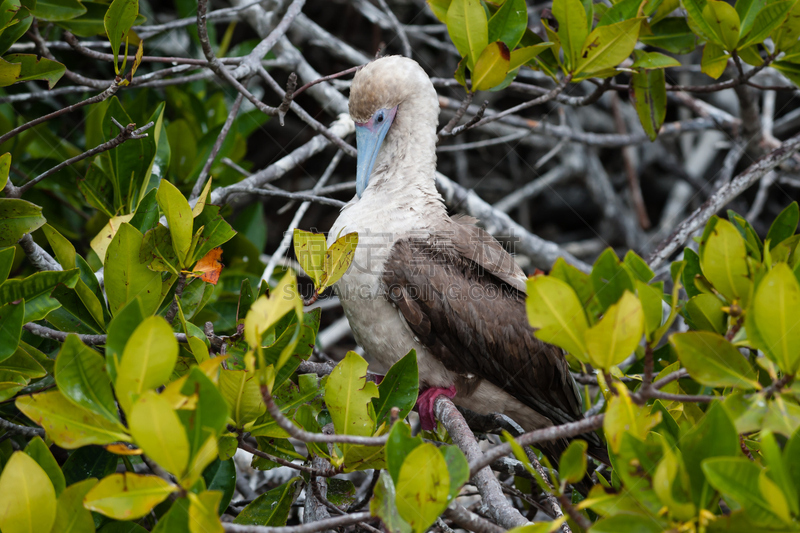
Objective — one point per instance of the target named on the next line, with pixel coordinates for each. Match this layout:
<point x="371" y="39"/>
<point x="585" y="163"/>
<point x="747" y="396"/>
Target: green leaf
<point x="653" y="60"/>
<point x="120" y="330"/>
<point x="491" y="67"/>
<point x="81" y="377"/>
<point x="206" y="422"/>
<point x="617" y="334"/>
<point x="384" y="507"/>
<point x="705" y="312"/>
<point x="723" y="259"/>
<point x="624" y="10"/>
<point x="439" y="8"/>
<point x="117" y="21"/>
<point x="767" y="21"/>
<point x="748" y="11"/>
<point x="399" y="388"/>
<point x="776" y="314"/>
<point x="6" y="262"/>
<point x="147" y="361"/>
<point x="740" y="479"/>
<point x="723" y="21"/>
<point x="398" y="446"/>
<point x="271" y="508"/>
<point x="68" y="425"/>
<point x="423" y="487"/>
<point x="650" y="100"/>
<point x="785" y="37"/>
<point x="71" y="516"/>
<point x="23" y="363"/>
<point x="88" y="462"/>
<point x="556" y="314"/>
<point x="348" y="396"/>
<point x="784" y="225"/>
<point x="29" y="501"/>
<point x="58" y="10"/>
<point x="221" y="476"/>
<point x="34" y="67"/>
<point x="310" y="248"/>
<point x="671" y="34"/>
<point x="651" y="298"/>
<point x="714" y="60"/>
<point x="572" y="466"/>
<point x="126" y="277"/>
<point x="694" y="9"/>
<point x="159" y="433"/>
<point x="40" y="453"/>
<point x="627" y="523"/>
<point x="468" y="28"/>
<point x="572" y="30"/>
<point x="127" y="496"/>
<point x="508" y="24"/>
<point x="610" y="279"/>
<point x="179" y="218"/>
<point x="523" y="56"/>
<point x="608" y="46"/>
<point x="713" y="361"/>
<point x="18" y="217"/>
<point x="457" y="467"/>
<point x="176" y="520"/>
<point x="11" y="318"/>
<point x="778" y="469"/>
<point x="242" y="393"/>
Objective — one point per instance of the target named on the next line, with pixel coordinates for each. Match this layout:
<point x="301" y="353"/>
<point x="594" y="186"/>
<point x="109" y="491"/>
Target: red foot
<point x="425" y="403"/>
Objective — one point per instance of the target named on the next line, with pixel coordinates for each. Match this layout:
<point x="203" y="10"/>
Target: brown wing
<point x="463" y="296"/>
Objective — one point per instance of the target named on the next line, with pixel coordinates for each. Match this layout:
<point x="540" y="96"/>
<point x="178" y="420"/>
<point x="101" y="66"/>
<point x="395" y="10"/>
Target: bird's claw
<point x="425" y="402"/>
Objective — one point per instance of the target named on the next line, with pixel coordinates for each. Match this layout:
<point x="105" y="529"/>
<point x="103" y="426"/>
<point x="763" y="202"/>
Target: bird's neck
<point x="405" y="170"/>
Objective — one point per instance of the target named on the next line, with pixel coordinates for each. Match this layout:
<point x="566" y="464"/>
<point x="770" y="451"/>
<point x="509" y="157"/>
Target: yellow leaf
<point x="338" y="259"/>
<point x="101" y="241"/>
<point x="159" y="432"/>
<point x="491" y="67"/>
<point x="28" y="503"/>
<point x="617" y="334"/>
<point x="127" y="496"/>
<point x="203" y="512"/>
<point x="266" y="311"/>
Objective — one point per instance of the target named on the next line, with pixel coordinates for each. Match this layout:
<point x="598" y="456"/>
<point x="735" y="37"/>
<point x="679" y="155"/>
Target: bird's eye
<point x="379" y="117"/>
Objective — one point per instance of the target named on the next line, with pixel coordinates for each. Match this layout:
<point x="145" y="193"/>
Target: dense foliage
<point x="134" y="365"/>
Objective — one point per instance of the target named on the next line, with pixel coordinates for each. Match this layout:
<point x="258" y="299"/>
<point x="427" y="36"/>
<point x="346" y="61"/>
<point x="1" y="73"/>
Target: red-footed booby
<point x="439" y="285"/>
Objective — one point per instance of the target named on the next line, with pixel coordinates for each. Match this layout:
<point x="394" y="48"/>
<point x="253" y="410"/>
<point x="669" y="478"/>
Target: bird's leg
<point x="425" y="403"/>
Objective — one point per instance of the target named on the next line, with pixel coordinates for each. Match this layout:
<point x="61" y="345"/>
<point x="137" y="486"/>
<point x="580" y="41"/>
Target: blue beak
<point x="369" y="138"/>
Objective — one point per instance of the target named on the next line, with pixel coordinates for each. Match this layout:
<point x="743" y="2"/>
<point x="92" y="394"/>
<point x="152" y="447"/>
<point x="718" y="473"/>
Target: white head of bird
<point x="396" y="111"/>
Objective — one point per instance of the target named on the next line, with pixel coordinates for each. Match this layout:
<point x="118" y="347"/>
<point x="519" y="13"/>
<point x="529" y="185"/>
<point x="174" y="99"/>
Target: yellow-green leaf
<point x="625" y="417"/>
<point x="439" y="8"/>
<point x="723" y="258"/>
<point x="179" y="218"/>
<point x="423" y="487"/>
<point x="201" y="200"/>
<point x="266" y="311"/>
<point x="723" y="21"/>
<point x="714" y="60"/>
<point x="572" y="29"/>
<point x="243" y="395"/>
<point x="31" y="67"/>
<point x="147" y="361"/>
<point x="348" y="396"/>
<point x="68" y="425"/>
<point x="203" y="512"/>
<point x="118" y="20"/>
<point x="713" y="361"/>
<point x="28" y="504"/>
<point x="127" y="496"/>
<point x="776" y="313"/>
<point x="468" y="28"/>
<point x="158" y="431"/>
<point x="617" y="334"/>
<point x="557" y="315"/>
<point x="125" y="276"/>
<point x="338" y="259"/>
<point x="523" y="56"/>
<point x="5" y="165"/>
<point x="608" y="46"/>
<point x="310" y="250"/>
<point x="491" y="67"/>
<point x="71" y="515"/>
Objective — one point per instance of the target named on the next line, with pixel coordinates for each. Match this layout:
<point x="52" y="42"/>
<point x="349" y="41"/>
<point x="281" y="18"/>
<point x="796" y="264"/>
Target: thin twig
<point x="89" y="340"/>
<point x="281" y="461"/>
<point x="307" y="436"/>
<point x="16" y="429"/>
<point x="312" y="527"/>
<point x="126" y="133"/>
<point x="201" y="179"/>
<point x="398" y="28"/>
